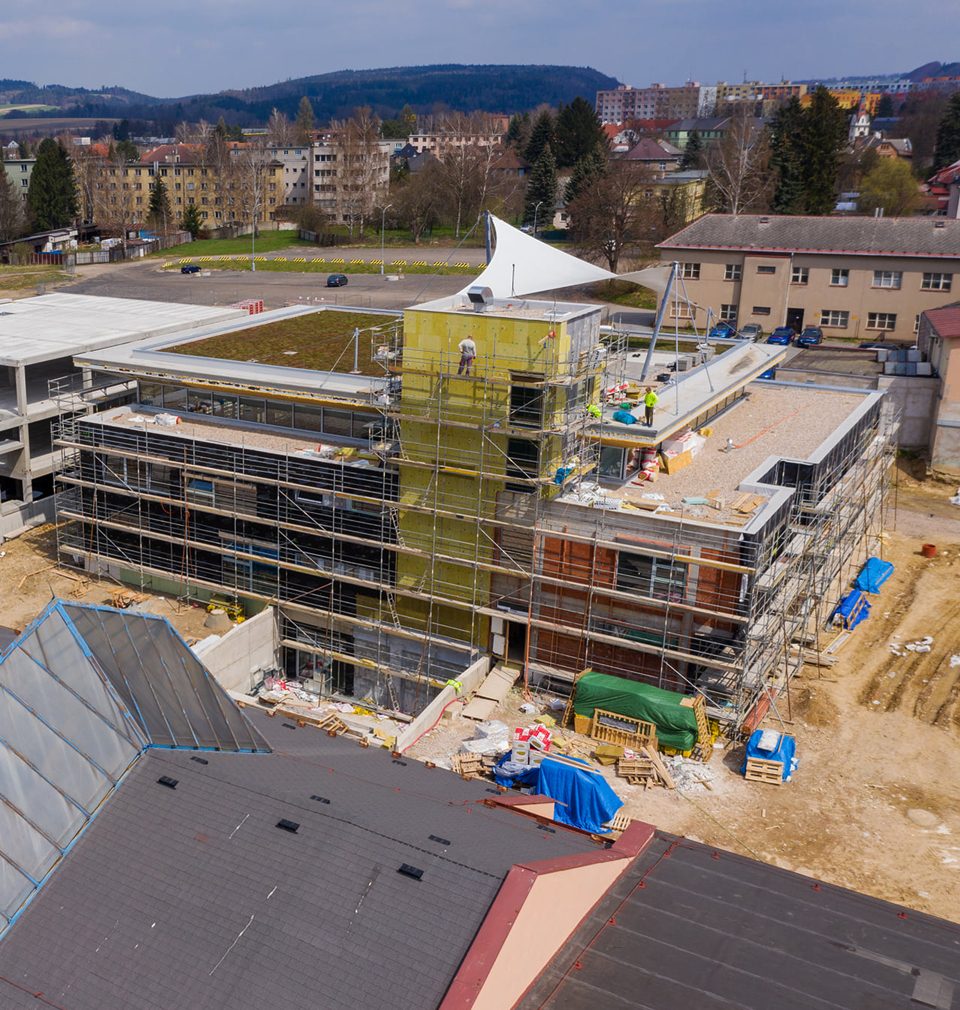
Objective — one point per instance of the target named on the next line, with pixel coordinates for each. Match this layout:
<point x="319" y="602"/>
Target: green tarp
<point x="676" y="724"/>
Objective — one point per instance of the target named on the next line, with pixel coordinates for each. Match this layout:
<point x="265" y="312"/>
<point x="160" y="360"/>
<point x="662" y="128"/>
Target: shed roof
<point x="690" y="925"/>
<point x="865" y="236"/>
<point x="193" y="896"/>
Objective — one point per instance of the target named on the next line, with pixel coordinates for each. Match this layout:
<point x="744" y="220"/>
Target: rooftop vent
<point x="479" y="296"/>
<point x="165" y="780"/>
<point x="292" y="826"/>
<point x="414" y="872"/>
<point x="439" y="840"/>
<point x="319" y="799"/>
<point x="939" y="224"/>
<point x="764" y="220"/>
<point x="199" y="760"/>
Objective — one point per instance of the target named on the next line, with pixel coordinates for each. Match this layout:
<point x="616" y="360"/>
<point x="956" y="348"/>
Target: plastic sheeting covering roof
<point x="523" y="265"/>
<point x="77" y="708"/>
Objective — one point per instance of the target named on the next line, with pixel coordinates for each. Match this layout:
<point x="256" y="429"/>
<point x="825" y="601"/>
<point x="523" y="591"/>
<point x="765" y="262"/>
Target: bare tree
<point x="739" y="167"/>
<point x="363" y="168"/>
<point x="87" y="169"/>
<point x="279" y="129"/>
<point x="616" y="209"/>
<point x="13" y="218"/>
<point x="416" y="200"/>
<point x="114" y="203"/>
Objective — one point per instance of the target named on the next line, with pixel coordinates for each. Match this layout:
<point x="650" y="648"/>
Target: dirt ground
<point x="30" y="578"/>
<point x="875" y="803"/>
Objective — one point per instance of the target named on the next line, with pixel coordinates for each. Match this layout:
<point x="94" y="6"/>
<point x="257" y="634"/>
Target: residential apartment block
<point x="424" y="512"/>
<point x="939" y="343"/>
<point x="297" y="172"/>
<point x="348" y="175"/>
<point x="854" y="277"/>
<point x="18" y="171"/>
<point x="626" y="104"/>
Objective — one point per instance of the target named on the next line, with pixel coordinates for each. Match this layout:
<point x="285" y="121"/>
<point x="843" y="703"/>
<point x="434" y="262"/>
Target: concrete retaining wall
<point x="470" y="680"/>
<point x="238" y="658"/>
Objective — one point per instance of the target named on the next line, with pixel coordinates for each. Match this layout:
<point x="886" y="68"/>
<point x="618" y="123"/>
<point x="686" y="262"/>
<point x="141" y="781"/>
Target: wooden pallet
<point x="467" y="766"/>
<point x="762" y="770"/>
<point x="638" y="771"/>
<point x="611" y="727"/>
<point x="620" y="822"/>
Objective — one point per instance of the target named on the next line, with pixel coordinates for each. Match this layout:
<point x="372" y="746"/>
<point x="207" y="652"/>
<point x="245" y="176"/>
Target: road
<point x="224" y="287"/>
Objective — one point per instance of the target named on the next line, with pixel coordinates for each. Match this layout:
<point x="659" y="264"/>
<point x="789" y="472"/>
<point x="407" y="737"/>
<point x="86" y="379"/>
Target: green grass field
<point x="320" y="340"/>
<point x="5" y="109"/>
<point x="21" y="278"/>
<point x="343" y="264"/>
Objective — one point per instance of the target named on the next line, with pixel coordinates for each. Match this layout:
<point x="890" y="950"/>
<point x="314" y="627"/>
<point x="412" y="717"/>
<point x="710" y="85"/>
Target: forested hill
<point x="426" y="89"/>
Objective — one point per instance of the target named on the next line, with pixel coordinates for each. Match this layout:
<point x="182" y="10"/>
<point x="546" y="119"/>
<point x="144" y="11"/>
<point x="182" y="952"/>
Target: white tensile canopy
<point x="523" y="265"/>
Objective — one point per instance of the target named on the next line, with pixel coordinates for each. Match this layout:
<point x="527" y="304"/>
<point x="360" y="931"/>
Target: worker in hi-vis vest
<point x="650" y="400"/>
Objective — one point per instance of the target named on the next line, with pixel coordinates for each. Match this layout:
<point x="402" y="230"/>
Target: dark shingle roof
<point x="690" y="926"/>
<point x="192" y="897"/>
<point x="872" y="236"/>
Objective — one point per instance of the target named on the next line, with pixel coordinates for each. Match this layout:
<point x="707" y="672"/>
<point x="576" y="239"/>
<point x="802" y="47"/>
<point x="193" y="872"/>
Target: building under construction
<point x="409" y="509"/>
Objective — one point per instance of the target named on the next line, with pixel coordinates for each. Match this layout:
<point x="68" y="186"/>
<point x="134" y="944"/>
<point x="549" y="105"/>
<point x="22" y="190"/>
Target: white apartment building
<point x="626" y="103"/>
<point x="297" y="176"/>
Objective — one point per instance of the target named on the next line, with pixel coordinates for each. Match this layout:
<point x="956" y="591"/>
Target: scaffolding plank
<point x="480" y="709"/>
<point x="497" y="684"/>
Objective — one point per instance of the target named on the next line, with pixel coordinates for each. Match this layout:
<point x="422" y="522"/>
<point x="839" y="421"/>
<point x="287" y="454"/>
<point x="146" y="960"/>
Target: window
<point x="839" y="278"/>
<point x="728" y="313"/>
<point x="656" y="577"/>
<point x="835" y="318"/>
<point x="916" y="324"/>
<point x="732" y="272"/>
<point x="887" y="279"/>
<point x="881" y="320"/>
<point x="761" y="310"/>
<point x="611" y="463"/>
<point x="936" y="282"/>
<point x="799" y="275"/>
<point x="523" y="460"/>
<point x="526" y="406"/>
<point x="766" y="268"/>
<point x="681" y="311"/>
<point x="690" y="271"/>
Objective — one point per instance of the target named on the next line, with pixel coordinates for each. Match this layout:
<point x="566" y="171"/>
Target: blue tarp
<point x="785" y="751"/>
<point x="851" y="610"/>
<point x="873" y="575"/>
<point x="624" y="417"/>
<point x="584" y="798"/>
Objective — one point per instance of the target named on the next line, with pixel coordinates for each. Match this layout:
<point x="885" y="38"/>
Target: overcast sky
<point x="180" y="47"/>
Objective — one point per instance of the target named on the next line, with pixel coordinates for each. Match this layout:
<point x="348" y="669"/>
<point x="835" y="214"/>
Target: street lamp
<point x="536" y="210"/>
<point x="383" y="223"/>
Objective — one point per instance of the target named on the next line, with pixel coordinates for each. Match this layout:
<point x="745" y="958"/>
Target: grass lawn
<point x="331" y="264"/>
<point x="267" y="241"/>
<point x="21" y="278"/>
<point x="320" y="340"/>
<point x="629" y="295"/>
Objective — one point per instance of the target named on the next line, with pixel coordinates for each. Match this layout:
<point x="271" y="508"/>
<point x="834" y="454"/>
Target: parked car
<point x="782" y="335"/>
<point x="872" y="345"/>
<point x="752" y="331"/>
<point x="810" y="337"/>
<point x="770" y="373"/>
<point x="337" y="281"/>
<point x="189" y="268"/>
<point x="722" y="331"/>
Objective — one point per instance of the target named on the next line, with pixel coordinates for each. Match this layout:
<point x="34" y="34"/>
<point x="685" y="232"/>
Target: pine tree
<point x="693" y="152"/>
<point x="786" y="158"/>
<point x="192" y="221"/>
<point x="52" y="196"/>
<point x="822" y="141"/>
<point x="578" y="131"/>
<point x="586" y="170"/>
<point x="541" y="136"/>
<point x="518" y="131"/>
<point x="541" y="195"/>
<point x="947" y="150"/>
<point x="885" y="106"/>
<point x="158" y="212"/>
<point x="305" y="121"/>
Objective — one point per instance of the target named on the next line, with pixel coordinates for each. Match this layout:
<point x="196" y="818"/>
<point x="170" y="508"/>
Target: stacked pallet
<point x="645" y="769"/>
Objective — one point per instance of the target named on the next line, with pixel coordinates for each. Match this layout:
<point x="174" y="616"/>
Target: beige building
<point x="939" y="343"/>
<point x="856" y="277"/>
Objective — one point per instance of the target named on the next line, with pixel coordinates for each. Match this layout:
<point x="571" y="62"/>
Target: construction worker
<point x="468" y="351"/>
<point x="650" y="400"/>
